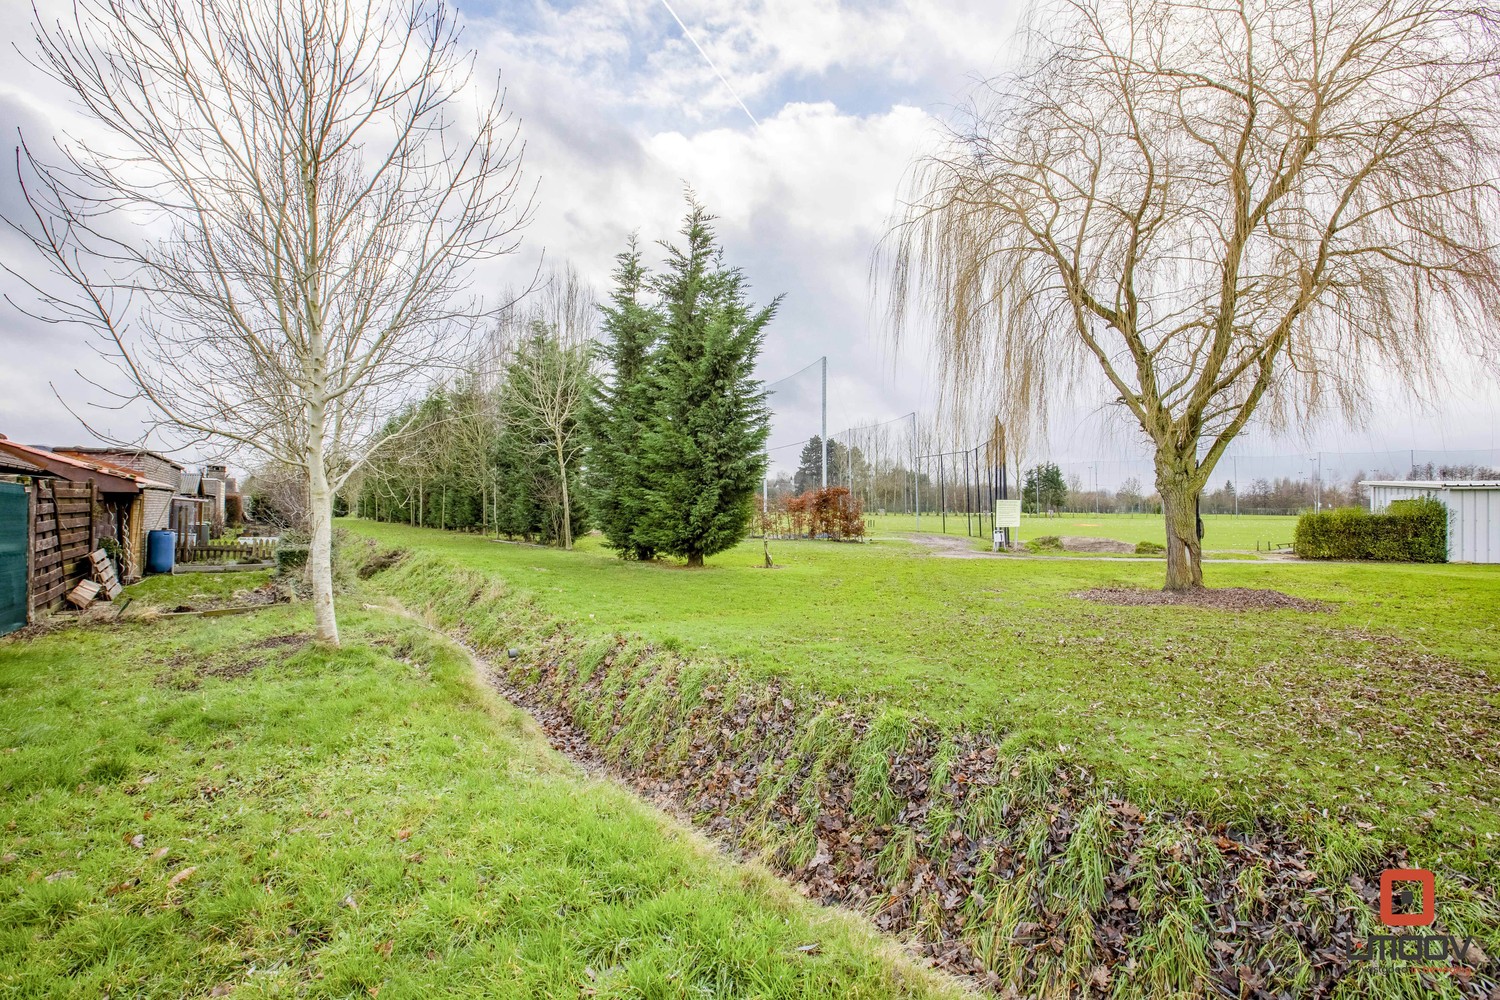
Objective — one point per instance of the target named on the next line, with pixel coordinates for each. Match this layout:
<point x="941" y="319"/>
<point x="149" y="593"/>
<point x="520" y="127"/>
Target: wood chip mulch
<point x="1214" y="599"/>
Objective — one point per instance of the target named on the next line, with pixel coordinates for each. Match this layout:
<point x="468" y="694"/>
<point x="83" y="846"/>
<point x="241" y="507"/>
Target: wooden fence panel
<point x="63" y="534"/>
<point x="262" y="552"/>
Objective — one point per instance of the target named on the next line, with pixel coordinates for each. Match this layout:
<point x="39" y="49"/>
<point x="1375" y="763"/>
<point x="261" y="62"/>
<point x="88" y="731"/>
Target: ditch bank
<point x="1005" y="861"/>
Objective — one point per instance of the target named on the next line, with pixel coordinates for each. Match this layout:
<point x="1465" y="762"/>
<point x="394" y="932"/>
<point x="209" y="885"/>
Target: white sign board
<point x="1007" y="513"/>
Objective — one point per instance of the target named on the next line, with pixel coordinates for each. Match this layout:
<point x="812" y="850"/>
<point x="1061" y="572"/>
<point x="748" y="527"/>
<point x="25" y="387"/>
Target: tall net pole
<point x="916" y="481"/>
<point x="824" y="463"/>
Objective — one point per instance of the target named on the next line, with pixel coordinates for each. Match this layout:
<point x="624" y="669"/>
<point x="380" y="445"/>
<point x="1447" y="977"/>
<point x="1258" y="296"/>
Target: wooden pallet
<point x="105" y="584"/>
<point x="86" y="593"/>
<point x="104" y="574"/>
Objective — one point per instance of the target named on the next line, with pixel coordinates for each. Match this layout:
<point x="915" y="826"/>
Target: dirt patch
<point x="1215" y="599"/>
<point x="380" y="562"/>
<point x="951" y="546"/>
<point x="279" y="641"/>
<point x="1078" y="543"/>
<point x="185" y="671"/>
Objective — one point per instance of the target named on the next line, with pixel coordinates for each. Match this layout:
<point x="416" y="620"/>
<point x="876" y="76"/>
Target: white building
<point x="1473" y="512"/>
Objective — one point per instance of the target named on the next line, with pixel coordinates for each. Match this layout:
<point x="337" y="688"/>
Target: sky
<point x="620" y="112"/>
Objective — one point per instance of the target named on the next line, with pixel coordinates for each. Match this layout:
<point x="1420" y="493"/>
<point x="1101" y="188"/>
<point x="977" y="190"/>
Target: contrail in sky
<point x="689" y="35"/>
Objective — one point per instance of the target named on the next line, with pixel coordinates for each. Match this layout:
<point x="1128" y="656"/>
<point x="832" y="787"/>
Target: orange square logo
<point x="1388" y="895"/>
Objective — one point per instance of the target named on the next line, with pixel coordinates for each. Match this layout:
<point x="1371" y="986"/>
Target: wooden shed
<point x="74" y="505"/>
<point x="160" y="477"/>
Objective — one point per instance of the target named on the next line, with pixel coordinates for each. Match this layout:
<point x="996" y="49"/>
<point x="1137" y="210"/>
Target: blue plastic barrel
<point x="161" y="551"/>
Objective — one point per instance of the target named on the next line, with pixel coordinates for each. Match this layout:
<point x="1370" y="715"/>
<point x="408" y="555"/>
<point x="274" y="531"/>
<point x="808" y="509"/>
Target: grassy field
<point x="1221" y="532"/>
<point x="210" y="807"/>
<point x="1386" y="707"/>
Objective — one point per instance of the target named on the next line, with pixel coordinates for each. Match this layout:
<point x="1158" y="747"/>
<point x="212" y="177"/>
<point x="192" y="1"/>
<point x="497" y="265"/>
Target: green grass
<point x="352" y="823"/>
<point x="1221" y="532"/>
<point x="1386" y="709"/>
<point x="195" y="589"/>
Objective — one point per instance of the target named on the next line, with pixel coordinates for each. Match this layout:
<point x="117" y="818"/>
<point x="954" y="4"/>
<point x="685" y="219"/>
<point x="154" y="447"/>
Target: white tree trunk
<point x="567" y="526"/>
<point x="320" y="510"/>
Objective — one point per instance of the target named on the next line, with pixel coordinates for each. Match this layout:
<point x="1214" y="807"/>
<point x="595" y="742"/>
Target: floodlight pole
<point x="825" y="421"/>
<point x="916" y="482"/>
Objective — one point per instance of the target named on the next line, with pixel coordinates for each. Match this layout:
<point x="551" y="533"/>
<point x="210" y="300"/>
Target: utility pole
<point x="916" y="482"/>
<point x="825" y="421"/>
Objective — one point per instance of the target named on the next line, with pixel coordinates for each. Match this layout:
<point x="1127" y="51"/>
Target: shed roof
<point x="115" y="468"/>
<point x="90" y="449"/>
<point x="15" y="465"/>
<point x="1436" y="484"/>
<point x="75" y="470"/>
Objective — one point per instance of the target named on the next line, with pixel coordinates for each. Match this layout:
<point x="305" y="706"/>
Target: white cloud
<point x="618" y="111"/>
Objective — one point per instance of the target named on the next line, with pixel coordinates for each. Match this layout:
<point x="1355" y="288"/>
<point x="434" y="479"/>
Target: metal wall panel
<point x="1474" y="526"/>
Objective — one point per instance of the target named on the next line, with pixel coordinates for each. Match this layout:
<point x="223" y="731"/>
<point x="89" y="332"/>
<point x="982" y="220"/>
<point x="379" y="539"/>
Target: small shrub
<point x="1408" y="531"/>
<point x="112" y="548"/>
<point x="234" y="510"/>
<point x="1149" y="549"/>
<point x="1045" y="543"/>
<point x="831" y="513"/>
<point x="290" y="557"/>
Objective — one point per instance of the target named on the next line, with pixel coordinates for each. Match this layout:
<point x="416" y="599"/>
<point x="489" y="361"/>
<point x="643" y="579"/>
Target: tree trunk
<point x="567" y="520"/>
<point x="320" y="552"/>
<point x="1179" y="504"/>
<point x="695" y="559"/>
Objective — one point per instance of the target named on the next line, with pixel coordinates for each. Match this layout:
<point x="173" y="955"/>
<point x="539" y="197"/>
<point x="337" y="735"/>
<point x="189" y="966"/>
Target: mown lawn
<point x="207" y="807"/>
<point x="1386" y="707"/>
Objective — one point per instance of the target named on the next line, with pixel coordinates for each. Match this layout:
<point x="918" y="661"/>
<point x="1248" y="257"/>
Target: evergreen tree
<point x="703" y="451"/>
<point x="810" y="464"/>
<point x="1044" y="488"/>
<point x="618" y="493"/>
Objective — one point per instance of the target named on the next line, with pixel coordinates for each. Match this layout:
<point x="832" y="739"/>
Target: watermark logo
<point x="1407" y="900"/>
<point x="1396" y="904"/>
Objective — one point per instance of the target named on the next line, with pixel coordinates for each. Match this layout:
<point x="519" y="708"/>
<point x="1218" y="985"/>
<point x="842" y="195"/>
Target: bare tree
<point x="1226" y="210"/>
<point x="274" y="227"/>
<point x="548" y="379"/>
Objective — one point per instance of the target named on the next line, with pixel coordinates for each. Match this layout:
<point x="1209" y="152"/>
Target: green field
<point x="209" y="807"/>
<point x="1386" y="707"/>
<point x="1221" y="532"/>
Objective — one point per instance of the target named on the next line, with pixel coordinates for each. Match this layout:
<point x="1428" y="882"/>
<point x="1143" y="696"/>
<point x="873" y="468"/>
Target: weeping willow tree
<point x="1218" y="212"/>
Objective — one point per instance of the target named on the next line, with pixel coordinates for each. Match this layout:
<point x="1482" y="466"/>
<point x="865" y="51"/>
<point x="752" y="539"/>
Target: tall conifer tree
<point x="703" y="452"/>
<point x="620" y="411"/>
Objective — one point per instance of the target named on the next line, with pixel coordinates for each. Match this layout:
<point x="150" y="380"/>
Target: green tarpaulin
<point x="13" y="556"/>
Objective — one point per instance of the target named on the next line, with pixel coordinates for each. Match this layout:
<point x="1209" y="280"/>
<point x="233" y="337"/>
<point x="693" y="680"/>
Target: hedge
<point x="1408" y="531"/>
